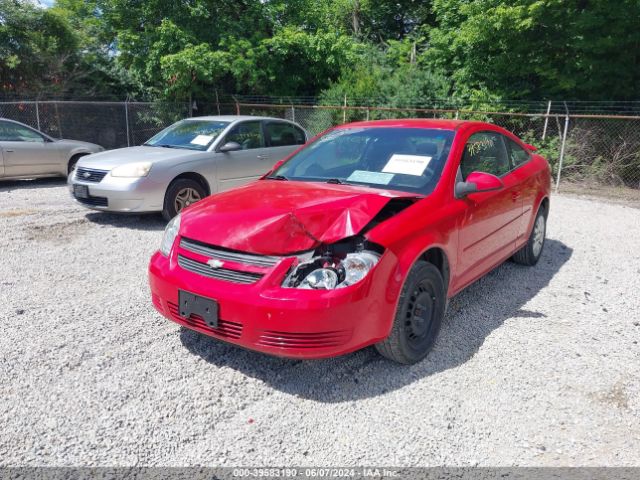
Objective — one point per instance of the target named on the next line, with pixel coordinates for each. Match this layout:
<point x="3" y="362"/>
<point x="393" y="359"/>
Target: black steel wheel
<point x="421" y="307"/>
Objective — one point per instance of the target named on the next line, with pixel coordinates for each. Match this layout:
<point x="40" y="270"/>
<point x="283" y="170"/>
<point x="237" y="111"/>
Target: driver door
<point x="490" y="224"/>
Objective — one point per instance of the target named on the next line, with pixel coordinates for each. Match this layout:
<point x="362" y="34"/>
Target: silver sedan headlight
<point x="170" y="234"/>
<point x="132" y="170"/>
<point x="324" y="273"/>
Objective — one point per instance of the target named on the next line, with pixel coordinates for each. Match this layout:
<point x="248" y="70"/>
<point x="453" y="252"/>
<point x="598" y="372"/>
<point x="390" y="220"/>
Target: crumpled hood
<point x="281" y="217"/>
<point x="113" y="158"/>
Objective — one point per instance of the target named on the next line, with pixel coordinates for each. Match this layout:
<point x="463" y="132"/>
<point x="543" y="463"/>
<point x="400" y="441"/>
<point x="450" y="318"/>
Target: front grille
<point x="220" y="273"/>
<point x="94" y="201"/>
<point x="225" y="329"/>
<point x="90" y="174"/>
<point x="271" y="338"/>
<point x="228" y="255"/>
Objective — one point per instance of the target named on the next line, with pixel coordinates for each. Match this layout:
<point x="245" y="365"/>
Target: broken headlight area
<point x="333" y="266"/>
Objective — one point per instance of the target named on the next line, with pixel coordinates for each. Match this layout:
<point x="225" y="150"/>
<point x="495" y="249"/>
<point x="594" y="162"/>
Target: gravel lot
<point x="533" y="367"/>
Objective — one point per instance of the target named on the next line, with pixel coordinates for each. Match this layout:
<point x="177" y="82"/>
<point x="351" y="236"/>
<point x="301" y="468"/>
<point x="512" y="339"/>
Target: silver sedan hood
<point x="113" y="158"/>
<point x="66" y="143"/>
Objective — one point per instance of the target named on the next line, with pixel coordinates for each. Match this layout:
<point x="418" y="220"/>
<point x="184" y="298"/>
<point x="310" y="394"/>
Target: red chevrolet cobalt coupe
<point x="358" y="238"/>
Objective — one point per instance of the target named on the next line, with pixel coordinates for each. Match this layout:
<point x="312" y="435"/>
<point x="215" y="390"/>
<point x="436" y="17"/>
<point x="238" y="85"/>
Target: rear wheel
<point x="421" y="307"/>
<point x="531" y="252"/>
<point x="180" y="194"/>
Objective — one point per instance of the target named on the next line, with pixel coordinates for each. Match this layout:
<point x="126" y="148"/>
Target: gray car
<point x="28" y="153"/>
<point x="184" y="163"/>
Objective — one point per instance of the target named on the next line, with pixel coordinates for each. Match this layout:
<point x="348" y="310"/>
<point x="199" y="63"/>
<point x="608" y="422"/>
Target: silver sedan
<point x="184" y="163"/>
<point x="28" y="153"/>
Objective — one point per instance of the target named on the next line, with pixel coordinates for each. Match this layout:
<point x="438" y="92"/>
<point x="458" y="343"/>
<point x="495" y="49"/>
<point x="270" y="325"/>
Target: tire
<point x="531" y="252"/>
<point x="71" y="166"/>
<point x="181" y="193"/>
<point x="421" y="307"/>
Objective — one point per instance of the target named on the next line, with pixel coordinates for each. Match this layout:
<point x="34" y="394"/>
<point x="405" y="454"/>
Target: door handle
<point x="9" y="151"/>
<point x="262" y="157"/>
<point x="515" y="196"/>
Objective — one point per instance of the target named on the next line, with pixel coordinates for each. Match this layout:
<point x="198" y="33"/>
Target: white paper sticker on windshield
<point x="202" y="140"/>
<point x="370" y="177"/>
<point x="407" y="164"/>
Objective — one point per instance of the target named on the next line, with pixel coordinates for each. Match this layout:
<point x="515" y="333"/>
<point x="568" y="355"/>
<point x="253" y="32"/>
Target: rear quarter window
<point x="517" y="155"/>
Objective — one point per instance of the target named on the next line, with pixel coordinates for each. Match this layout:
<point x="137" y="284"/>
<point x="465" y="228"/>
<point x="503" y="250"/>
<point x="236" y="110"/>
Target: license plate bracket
<point x="207" y="308"/>
<point x="81" y="191"/>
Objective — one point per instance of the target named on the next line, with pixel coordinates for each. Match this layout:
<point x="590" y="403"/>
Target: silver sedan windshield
<point x="188" y="134"/>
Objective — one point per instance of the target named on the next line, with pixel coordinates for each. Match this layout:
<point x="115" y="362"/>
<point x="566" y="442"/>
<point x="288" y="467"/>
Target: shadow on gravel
<point x="8" y="185"/>
<point x="473" y="314"/>
<point x="146" y="221"/>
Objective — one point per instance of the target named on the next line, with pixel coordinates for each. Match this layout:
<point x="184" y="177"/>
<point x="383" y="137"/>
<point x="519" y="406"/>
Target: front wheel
<point x="180" y="194"/>
<point x="421" y="307"/>
<point x="531" y="252"/>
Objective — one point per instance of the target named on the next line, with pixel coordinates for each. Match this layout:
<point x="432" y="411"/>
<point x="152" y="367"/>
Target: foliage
<point x="535" y="49"/>
<point x="37" y="48"/>
<point x="399" y="51"/>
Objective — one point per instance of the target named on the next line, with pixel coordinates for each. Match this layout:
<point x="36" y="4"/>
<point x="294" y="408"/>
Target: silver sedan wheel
<point x="538" y="235"/>
<point x="186" y="197"/>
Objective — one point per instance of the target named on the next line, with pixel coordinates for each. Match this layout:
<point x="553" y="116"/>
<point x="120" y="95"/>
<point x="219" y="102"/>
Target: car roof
<point x="235" y="118"/>
<point x="443" y="124"/>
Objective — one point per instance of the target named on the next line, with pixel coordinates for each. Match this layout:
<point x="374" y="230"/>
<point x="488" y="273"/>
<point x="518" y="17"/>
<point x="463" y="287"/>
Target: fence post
<point x="237" y="104"/>
<point x="293" y="114"/>
<point x="38" y="115"/>
<point x="367" y="114"/>
<point x="217" y="102"/>
<point x="562" y="147"/>
<point x="344" y="110"/>
<point x="126" y="119"/>
<point x="546" y="121"/>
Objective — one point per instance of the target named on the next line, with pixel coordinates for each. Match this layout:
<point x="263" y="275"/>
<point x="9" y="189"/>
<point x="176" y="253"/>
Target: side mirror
<point x="531" y="147"/>
<point x="478" y="182"/>
<point x="230" y="147"/>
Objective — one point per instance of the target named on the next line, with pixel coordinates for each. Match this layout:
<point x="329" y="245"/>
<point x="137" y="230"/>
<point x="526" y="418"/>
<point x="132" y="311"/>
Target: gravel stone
<point x="534" y="366"/>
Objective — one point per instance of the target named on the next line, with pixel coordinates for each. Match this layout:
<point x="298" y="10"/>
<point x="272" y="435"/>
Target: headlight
<point x="326" y="273"/>
<point x="132" y="170"/>
<point x="170" y="234"/>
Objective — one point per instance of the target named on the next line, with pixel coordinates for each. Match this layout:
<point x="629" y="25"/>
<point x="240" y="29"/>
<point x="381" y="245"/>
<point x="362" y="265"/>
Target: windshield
<point x="190" y="134"/>
<point x="406" y="159"/>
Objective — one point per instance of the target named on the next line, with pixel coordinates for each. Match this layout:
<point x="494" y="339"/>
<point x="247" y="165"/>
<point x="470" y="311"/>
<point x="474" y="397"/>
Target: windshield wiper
<point x="336" y="181"/>
<point x="166" y="145"/>
<point x="277" y="177"/>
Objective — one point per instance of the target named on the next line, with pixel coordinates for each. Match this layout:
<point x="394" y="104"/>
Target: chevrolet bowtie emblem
<point x="215" y="263"/>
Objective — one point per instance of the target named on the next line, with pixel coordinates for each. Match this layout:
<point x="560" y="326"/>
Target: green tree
<point x="38" y="49"/>
<point x="534" y="49"/>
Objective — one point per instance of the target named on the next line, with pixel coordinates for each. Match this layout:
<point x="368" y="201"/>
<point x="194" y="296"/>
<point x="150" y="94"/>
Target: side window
<point x="11" y="132"/>
<point x="247" y="134"/>
<point x="284" y="134"/>
<point x="517" y="154"/>
<point x="485" y="152"/>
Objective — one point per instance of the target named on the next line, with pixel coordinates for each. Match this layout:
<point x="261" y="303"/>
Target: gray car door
<point x="242" y="166"/>
<point x="26" y="152"/>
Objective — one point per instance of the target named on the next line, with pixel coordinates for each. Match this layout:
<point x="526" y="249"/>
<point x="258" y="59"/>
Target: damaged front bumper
<point x="261" y="315"/>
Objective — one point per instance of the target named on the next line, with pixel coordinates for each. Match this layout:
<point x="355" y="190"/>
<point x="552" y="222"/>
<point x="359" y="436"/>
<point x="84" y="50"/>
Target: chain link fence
<point x="110" y="124"/>
<point x="590" y="151"/>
